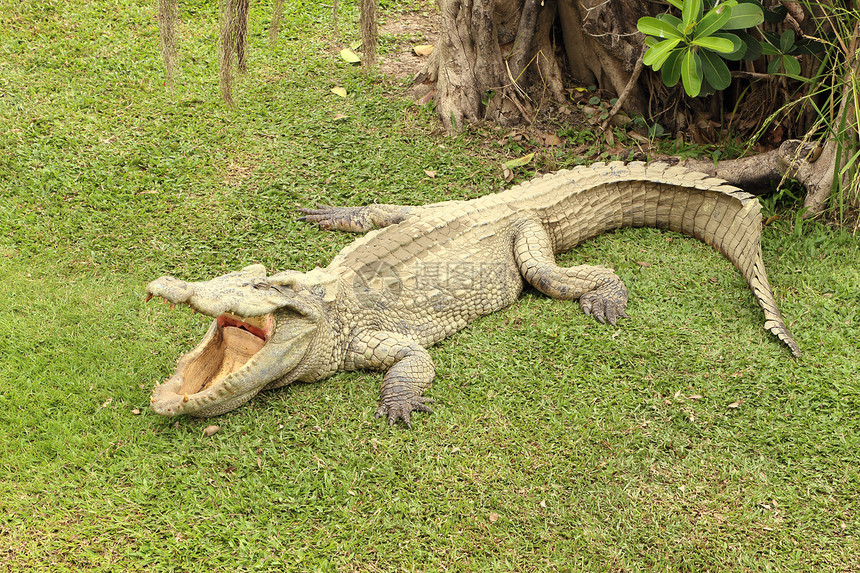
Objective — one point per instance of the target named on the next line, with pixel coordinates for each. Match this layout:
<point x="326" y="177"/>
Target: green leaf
<point x="519" y="161"/>
<point x="651" y="41"/>
<point x="791" y="65"/>
<point x="739" y="47"/>
<point x="715" y="70"/>
<point x="753" y="46"/>
<point x="775" y="14"/>
<point x="713" y="21"/>
<point x="655" y="56"/>
<point x="808" y="47"/>
<point x="744" y="16"/>
<point x="690" y="13"/>
<point x="691" y="73"/>
<point x="769" y="49"/>
<point x="658" y="28"/>
<point x="774" y="65"/>
<point x="670" y="19"/>
<point x="671" y="70"/>
<point x="722" y="45"/>
<point x="679" y="4"/>
<point x="786" y="41"/>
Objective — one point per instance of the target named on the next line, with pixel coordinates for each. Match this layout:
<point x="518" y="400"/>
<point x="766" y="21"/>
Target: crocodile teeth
<point x="255" y="325"/>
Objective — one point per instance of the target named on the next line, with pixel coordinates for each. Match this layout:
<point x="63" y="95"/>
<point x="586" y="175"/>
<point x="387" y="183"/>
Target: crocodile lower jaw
<point x="227" y="348"/>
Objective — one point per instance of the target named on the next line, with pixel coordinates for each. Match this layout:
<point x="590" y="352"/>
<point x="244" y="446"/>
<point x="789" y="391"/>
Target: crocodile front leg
<point x="356" y="219"/>
<point x="600" y="292"/>
<point x="409" y="372"/>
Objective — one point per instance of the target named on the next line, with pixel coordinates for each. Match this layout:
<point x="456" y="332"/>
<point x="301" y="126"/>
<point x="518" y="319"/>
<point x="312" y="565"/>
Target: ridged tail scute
<point x="744" y="250"/>
<point x="656" y="195"/>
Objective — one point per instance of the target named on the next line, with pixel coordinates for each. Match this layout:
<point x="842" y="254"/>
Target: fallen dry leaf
<point x="427" y="97"/>
<point x="736" y="404"/>
<point x="552" y="140"/>
<point x="494" y="517"/>
<point x="350" y="57"/>
<point x="136" y="411"/>
<point x="210" y="430"/>
<point x="609" y="137"/>
<point x="338" y="91"/>
<point x="423" y="50"/>
<point x="430" y="173"/>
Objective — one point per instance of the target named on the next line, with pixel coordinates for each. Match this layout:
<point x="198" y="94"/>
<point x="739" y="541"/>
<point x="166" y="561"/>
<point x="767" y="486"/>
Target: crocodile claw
<point x="402" y="409"/>
<point x="606" y="305"/>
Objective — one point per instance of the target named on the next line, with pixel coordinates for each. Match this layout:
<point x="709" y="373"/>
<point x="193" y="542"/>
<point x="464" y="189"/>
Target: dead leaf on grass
<point x="339" y="91"/>
<point x="735" y="404"/>
<point x="349" y="56"/>
<point x="519" y="161"/>
<point x="210" y="430"/>
<point x="426" y="98"/>
<point x="494" y="517"/>
<point x="552" y="140"/>
<point x="430" y="173"/>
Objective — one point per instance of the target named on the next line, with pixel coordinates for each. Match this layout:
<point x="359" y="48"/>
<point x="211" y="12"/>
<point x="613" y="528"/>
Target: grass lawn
<point x="686" y="439"/>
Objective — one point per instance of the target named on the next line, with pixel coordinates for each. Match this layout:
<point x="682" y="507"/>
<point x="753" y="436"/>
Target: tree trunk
<point x="496" y="58"/>
<point x="493" y="53"/>
<point x="367" y="24"/>
<point x="467" y="62"/>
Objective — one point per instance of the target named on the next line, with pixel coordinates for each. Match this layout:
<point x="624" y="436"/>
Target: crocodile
<point x="421" y="273"/>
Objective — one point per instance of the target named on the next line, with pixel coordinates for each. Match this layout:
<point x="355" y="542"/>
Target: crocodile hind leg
<point x="356" y="219"/>
<point x="600" y="292"/>
<point x="409" y="371"/>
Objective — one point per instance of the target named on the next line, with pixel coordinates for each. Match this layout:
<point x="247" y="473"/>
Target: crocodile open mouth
<point x="228" y="346"/>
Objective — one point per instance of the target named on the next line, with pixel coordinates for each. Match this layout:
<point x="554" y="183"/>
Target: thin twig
<point x="634" y="77"/>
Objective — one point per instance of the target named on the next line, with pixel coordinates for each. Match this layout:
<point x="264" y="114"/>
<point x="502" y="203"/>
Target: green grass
<point x="556" y="443"/>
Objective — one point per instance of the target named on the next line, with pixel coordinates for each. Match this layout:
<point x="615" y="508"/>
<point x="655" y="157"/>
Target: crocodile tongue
<point x="234" y="343"/>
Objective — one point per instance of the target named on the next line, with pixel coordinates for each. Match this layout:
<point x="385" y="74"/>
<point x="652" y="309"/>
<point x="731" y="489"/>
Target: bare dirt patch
<point x="399" y="33"/>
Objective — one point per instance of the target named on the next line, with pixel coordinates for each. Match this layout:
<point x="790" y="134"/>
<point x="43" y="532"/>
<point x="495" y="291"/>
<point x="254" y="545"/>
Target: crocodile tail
<point x="728" y="219"/>
<point x="745" y="252"/>
<point x="656" y="195"/>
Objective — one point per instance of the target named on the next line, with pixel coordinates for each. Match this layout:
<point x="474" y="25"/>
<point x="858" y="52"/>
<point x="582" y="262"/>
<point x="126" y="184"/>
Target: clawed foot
<point x="332" y="218"/>
<point x="402" y="408"/>
<point x="606" y="303"/>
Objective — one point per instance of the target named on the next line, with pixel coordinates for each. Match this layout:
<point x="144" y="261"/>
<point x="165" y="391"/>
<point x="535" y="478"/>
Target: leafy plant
<point x="693" y="48"/>
<point x="782" y="48"/>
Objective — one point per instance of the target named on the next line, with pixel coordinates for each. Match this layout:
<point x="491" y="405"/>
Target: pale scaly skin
<point x="422" y="273"/>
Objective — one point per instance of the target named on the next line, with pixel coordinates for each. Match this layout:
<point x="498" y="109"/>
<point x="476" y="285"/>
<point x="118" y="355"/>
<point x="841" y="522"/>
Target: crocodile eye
<point x="318" y="290"/>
